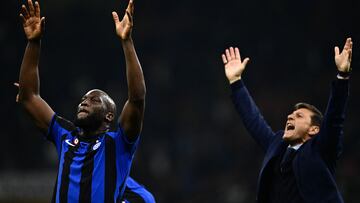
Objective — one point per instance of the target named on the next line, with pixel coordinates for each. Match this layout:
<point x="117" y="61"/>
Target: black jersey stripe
<point x="86" y="177"/>
<point x="64" y="185"/>
<point x="110" y="169"/>
<point x="132" y="196"/>
<point x="68" y="125"/>
<point x="120" y="197"/>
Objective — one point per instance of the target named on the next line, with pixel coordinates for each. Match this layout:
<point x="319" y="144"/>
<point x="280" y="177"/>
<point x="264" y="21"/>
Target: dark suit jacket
<point x="315" y="162"/>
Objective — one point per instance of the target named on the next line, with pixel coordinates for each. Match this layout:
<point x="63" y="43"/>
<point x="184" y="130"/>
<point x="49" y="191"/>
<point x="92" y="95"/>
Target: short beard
<point x="90" y="123"/>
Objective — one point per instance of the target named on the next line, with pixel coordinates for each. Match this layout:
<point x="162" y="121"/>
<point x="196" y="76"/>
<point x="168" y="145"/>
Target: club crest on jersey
<point x="96" y="146"/>
<point x="76" y="141"/>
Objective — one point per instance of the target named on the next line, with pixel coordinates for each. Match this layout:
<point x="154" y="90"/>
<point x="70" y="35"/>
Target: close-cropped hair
<point x="317" y="116"/>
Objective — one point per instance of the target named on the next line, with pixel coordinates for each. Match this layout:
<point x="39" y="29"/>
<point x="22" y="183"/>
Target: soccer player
<point x="134" y="191"/>
<point x="299" y="163"/>
<point x="94" y="161"/>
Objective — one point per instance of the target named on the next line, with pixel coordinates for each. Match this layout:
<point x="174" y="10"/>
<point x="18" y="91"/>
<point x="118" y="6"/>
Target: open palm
<point x="124" y="27"/>
<point x="33" y="24"/>
<point x="343" y="59"/>
<point x="234" y="67"/>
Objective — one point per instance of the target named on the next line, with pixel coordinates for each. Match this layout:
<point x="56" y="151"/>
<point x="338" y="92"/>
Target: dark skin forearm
<point x="29" y="73"/>
<point x="29" y="91"/>
<point x="133" y="112"/>
<point x="134" y="73"/>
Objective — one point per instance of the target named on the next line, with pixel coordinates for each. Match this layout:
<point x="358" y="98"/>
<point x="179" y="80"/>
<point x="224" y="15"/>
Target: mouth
<point x="290" y="126"/>
<point x="82" y="111"/>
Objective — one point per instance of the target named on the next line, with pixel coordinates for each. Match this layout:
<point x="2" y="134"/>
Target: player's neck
<point x="91" y="133"/>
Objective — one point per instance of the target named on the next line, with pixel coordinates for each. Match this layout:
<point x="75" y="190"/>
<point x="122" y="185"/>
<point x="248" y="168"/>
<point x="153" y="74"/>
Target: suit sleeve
<point x="331" y="132"/>
<point x="253" y="120"/>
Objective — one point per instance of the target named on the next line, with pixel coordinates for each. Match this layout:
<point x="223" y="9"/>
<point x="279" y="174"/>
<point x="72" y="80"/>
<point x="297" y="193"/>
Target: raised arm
<point x="244" y="104"/>
<point x="332" y="125"/>
<point x="131" y="117"/>
<point x="29" y="91"/>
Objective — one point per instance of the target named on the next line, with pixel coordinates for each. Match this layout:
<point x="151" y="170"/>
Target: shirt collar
<point x="296" y="147"/>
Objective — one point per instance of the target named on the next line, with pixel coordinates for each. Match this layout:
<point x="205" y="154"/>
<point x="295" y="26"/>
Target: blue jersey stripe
<point x="75" y="177"/>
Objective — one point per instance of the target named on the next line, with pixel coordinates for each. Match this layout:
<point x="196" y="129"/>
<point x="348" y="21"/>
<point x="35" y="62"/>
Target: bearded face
<point x="91" y="111"/>
<point x="90" y="120"/>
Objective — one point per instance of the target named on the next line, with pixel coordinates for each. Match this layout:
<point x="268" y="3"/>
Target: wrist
<point x="342" y="77"/>
<point x="234" y="79"/>
<point x="37" y="40"/>
<point x="127" y="40"/>
<point x="344" y="74"/>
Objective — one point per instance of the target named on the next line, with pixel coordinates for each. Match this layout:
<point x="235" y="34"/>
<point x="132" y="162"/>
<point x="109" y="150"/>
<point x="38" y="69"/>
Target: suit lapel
<point x="276" y="148"/>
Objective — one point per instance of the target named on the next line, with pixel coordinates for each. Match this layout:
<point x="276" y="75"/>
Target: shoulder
<point x="63" y="123"/>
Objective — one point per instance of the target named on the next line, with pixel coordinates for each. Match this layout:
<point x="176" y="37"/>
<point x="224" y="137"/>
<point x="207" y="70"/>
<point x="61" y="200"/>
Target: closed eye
<point x="95" y="99"/>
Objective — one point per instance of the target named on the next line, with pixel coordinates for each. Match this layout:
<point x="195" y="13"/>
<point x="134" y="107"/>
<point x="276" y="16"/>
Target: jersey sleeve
<point x="59" y="128"/>
<point x="129" y="146"/>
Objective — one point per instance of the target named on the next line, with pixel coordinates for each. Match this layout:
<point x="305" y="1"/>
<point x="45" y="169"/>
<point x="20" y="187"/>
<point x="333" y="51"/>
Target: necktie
<point x="285" y="164"/>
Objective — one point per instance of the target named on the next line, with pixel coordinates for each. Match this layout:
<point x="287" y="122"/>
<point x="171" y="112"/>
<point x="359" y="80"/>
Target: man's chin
<point x="87" y="122"/>
<point x="287" y="137"/>
<point x="80" y="121"/>
<point x="80" y="118"/>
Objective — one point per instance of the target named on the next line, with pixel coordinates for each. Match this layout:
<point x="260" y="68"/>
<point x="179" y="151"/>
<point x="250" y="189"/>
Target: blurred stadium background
<point x="194" y="147"/>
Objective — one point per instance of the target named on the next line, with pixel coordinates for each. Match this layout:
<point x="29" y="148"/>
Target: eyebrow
<point x="92" y="96"/>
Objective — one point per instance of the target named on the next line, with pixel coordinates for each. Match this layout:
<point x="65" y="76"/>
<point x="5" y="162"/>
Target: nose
<point x="84" y="103"/>
<point x="290" y="117"/>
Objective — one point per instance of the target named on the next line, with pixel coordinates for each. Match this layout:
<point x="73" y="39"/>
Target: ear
<point x="313" y="130"/>
<point x="109" y="117"/>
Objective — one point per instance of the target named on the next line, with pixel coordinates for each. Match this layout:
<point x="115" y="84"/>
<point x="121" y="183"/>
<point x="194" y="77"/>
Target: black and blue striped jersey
<point x="136" y="193"/>
<point x="90" y="169"/>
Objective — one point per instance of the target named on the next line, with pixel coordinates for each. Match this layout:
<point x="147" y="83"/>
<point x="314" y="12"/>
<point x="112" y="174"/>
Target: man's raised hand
<point x="32" y="23"/>
<point x="234" y="67"/>
<point x="343" y="59"/>
<point x="124" y="27"/>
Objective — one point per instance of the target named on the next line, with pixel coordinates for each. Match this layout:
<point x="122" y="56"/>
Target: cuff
<point x="237" y="85"/>
<point x="343" y="75"/>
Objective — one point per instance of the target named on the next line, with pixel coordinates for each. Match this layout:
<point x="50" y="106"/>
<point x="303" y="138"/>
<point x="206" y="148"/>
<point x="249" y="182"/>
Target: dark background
<point x="194" y="147"/>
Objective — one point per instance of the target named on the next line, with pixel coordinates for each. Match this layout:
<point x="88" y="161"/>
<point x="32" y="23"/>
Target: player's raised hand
<point x="32" y="22"/>
<point x="124" y="27"/>
<point x="234" y="67"/>
<point x="343" y="59"/>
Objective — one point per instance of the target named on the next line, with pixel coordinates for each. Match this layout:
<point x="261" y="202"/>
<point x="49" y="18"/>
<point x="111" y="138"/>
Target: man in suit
<point x="299" y="163"/>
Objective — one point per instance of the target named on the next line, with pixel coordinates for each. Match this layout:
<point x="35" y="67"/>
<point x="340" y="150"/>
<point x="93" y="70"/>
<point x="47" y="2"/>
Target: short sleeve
<point x="59" y="127"/>
<point x="119" y="136"/>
